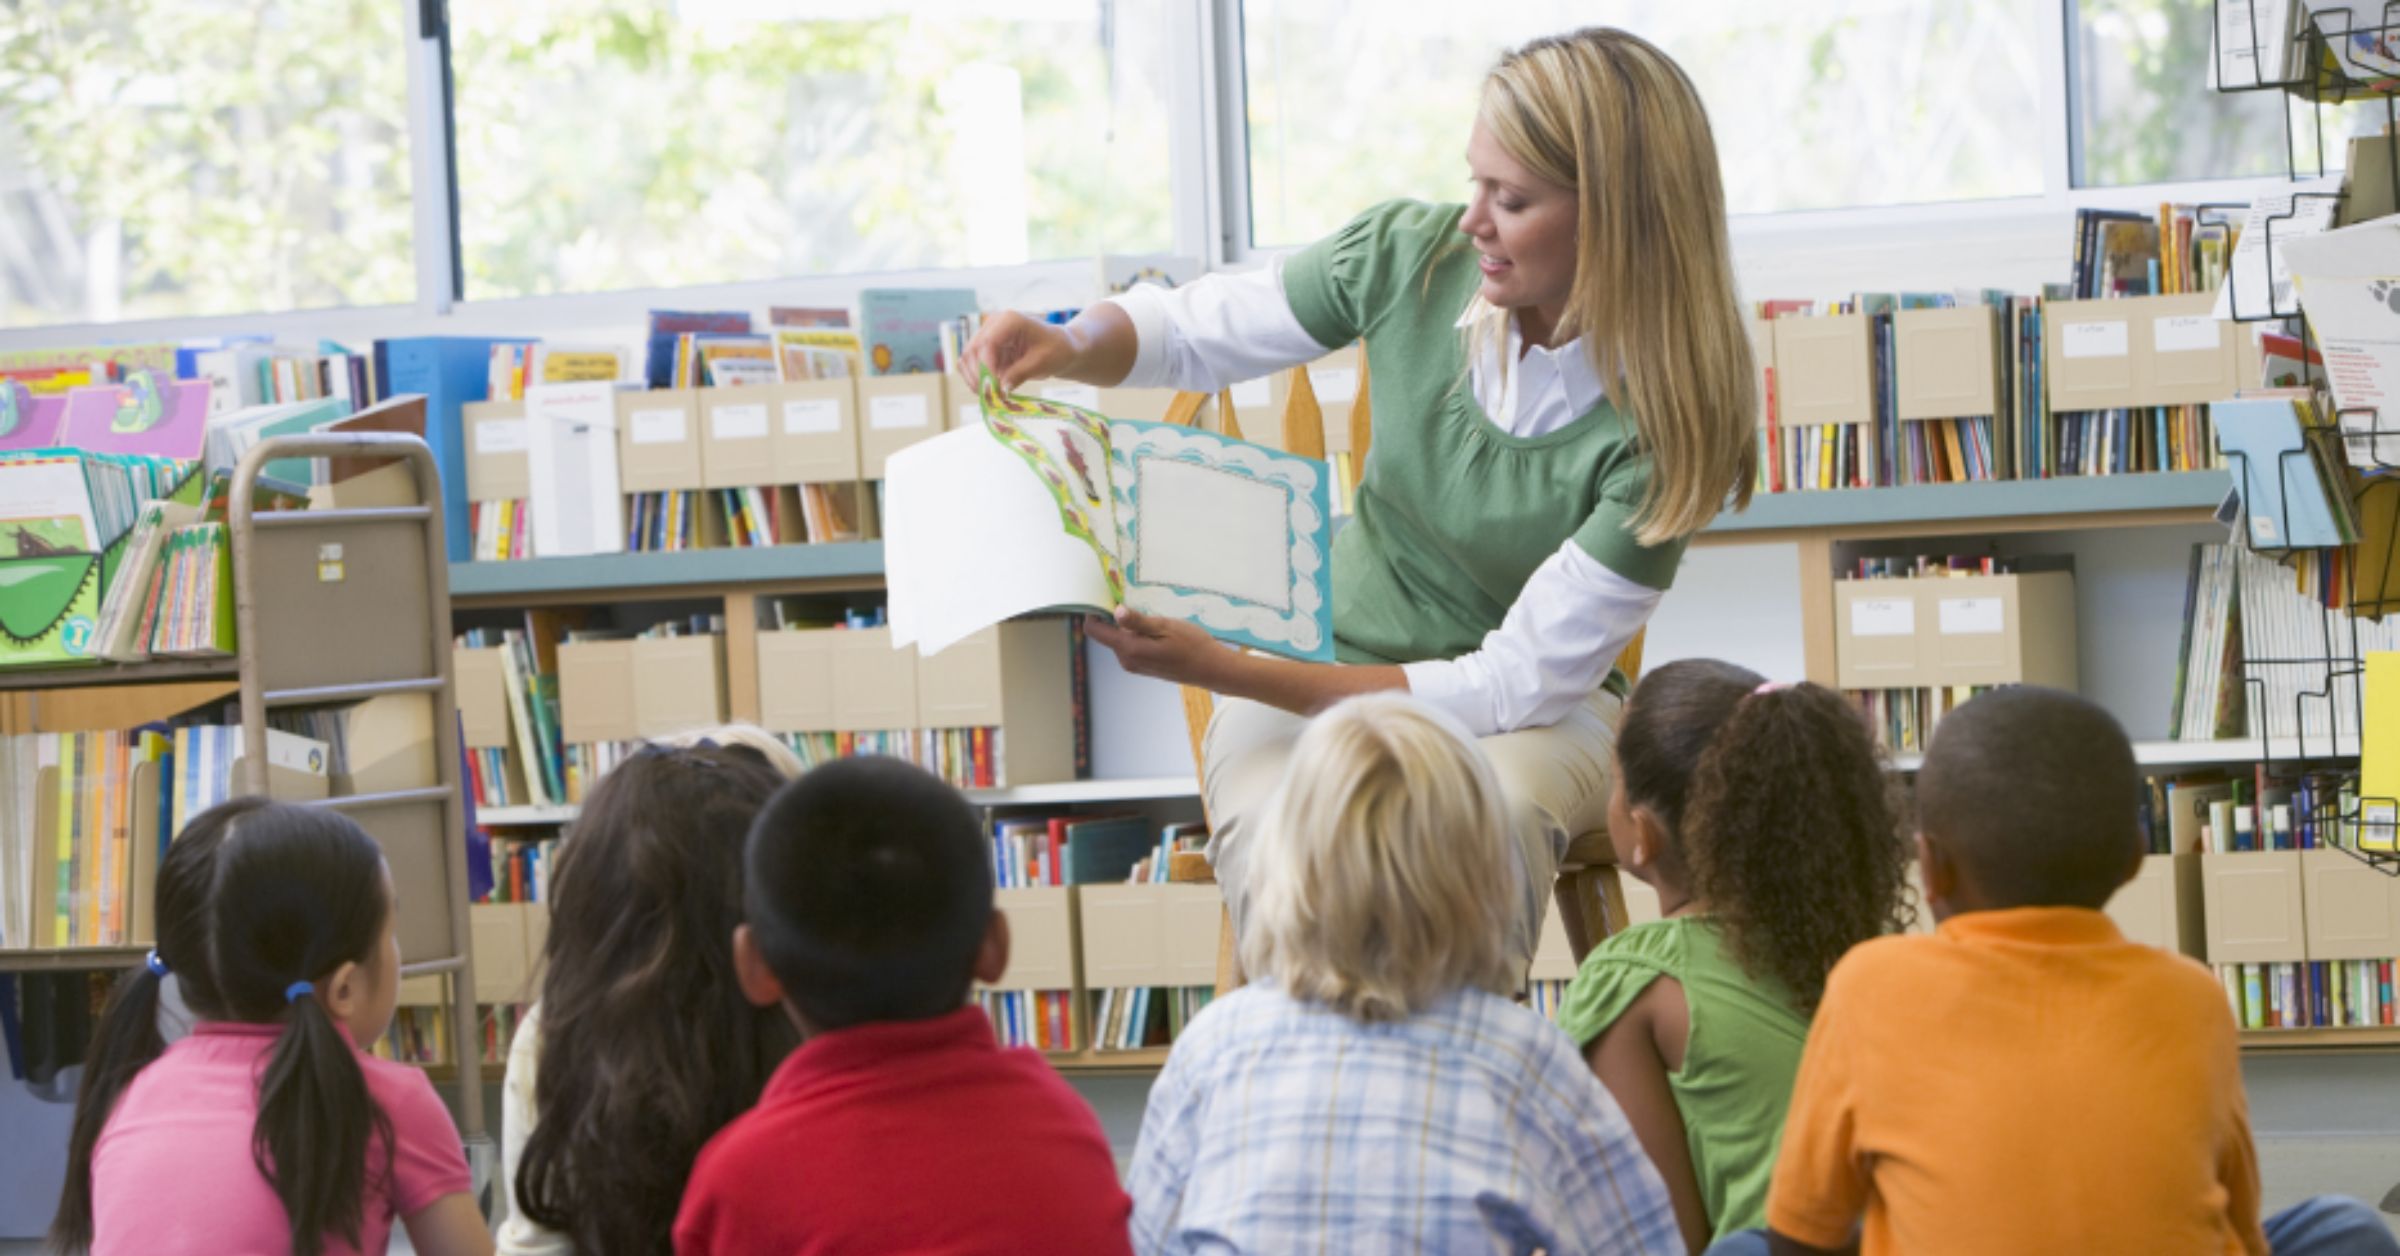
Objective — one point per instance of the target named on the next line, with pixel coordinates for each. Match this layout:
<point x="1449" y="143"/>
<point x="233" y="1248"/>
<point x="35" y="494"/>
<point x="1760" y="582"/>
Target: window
<point x="2145" y="112"/>
<point x="162" y="158"/>
<point x="1816" y="104"/>
<point x="608" y="145"/>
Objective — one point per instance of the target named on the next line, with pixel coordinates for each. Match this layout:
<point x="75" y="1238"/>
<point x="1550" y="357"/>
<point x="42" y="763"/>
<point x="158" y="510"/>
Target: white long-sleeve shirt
<point x="1574" y="614"/>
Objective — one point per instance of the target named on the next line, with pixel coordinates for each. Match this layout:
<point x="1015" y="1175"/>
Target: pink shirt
<point x="173" y="1174"/>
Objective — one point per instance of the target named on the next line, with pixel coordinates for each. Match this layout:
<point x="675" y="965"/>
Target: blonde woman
<point x="1376" y="1089"/>
<point x="1562" y="392"/>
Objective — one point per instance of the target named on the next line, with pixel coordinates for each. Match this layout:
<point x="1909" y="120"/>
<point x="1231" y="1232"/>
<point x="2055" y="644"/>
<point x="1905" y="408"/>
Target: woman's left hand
<point x="1168" y="649"/>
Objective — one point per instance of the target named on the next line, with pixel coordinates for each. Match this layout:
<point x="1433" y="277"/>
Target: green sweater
<point x="1452" y="513"/>
<point x="1738" y="1062"/>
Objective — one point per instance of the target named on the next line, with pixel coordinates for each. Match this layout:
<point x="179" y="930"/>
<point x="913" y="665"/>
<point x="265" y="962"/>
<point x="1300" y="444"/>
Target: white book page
<point x="572" y="485"/>
<point x="971" y="536"/>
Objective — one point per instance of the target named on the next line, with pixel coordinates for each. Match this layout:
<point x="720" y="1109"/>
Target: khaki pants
<point x="1554" y="783"/>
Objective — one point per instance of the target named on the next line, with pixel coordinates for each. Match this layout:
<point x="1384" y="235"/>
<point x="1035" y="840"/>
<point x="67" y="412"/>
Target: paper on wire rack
<point x="2347" y="281"/>
<point x="2261" y="283"/>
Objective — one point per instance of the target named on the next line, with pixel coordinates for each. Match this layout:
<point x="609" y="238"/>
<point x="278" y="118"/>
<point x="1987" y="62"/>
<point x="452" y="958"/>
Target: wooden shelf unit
<point x="331" y="606"/>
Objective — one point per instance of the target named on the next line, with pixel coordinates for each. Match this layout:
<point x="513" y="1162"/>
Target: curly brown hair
<point x="1778" y="806"/>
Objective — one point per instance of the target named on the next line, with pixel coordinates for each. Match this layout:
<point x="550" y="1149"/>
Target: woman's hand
<point x="1017" y="349"/>
<point x="1168" y="649"/>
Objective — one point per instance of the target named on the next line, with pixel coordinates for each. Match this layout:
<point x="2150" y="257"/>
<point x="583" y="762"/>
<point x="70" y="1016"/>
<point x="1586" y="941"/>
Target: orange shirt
<point x="2022" y="1081"/>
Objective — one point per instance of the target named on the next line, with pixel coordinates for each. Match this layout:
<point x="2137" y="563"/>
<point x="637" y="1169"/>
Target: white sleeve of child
<point x="1557" y="643"/>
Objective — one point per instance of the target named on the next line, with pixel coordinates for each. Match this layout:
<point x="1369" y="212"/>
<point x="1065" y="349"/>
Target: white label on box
<point x="1973" y="617"/>
<point x="812" y="416"/>
<point x="2185" y="333"/>
<point x="1883" y="617"/>
<point x="2095" y="340"/>
<point x="1083" y="395"/>
<point x="1251" y="392"/>
<point x="742" y="422"/>
<point x="500" y="436"/>
<point x="888" y="413"/>
<point x="659" y="427"/>
<point x="1334" y="383"/>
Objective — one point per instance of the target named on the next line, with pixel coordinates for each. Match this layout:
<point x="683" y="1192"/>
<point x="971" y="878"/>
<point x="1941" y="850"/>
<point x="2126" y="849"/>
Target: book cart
<point x="335" y="607"/>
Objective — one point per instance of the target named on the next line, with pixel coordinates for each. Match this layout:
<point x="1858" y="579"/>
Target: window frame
<point x="2012" y="242"/>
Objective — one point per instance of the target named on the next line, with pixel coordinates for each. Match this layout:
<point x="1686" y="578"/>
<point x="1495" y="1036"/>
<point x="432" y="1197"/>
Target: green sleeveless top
<point x="1452" y="513"/>
<point x="1738" y="1064"/>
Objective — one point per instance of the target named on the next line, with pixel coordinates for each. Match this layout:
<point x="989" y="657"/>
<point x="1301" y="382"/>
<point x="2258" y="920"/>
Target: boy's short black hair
<point x="2035" y="793"/>
<point x="869" y="889"/>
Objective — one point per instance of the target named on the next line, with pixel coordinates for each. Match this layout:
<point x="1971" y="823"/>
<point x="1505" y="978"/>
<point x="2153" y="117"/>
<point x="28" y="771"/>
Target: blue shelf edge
<point x="1768" y="513"/>
<point x="832" y="560"/>
<point x="1998" y="499"/>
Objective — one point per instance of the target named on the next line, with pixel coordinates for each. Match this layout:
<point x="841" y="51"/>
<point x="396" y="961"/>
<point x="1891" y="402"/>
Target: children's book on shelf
<point x="1128" y="1018"/>
<point x="900" y="328"/>
<point x="147" y="414"/>
<point x="28" y="421"/>
<point x="1048" y="506"/>
<point x="2294" y="490"/>
<point x="667" y="327"/>
<point x="571" y="469"/>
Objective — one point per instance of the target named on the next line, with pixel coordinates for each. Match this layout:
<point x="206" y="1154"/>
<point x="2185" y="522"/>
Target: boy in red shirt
<point x="900" y="1125"/>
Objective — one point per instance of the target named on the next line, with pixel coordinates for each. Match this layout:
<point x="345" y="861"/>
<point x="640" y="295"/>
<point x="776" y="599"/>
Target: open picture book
<point x="1045" y="506"/>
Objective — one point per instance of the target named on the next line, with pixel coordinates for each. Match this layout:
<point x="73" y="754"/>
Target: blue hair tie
<point x="157" y="966"/>
<point x="298" y="990"/>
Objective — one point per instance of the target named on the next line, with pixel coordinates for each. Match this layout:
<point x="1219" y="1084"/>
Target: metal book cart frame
<point x="338" y="606"/>
<point x="2332" y="683"/>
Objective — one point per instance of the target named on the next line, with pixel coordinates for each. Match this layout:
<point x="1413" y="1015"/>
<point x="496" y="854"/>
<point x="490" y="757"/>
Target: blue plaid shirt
<point x="1284" y="1127"/>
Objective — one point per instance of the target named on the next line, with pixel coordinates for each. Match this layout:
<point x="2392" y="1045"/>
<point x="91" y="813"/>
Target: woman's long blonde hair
<point x="1388" y="878"/>
<point x="1607" y="114"/>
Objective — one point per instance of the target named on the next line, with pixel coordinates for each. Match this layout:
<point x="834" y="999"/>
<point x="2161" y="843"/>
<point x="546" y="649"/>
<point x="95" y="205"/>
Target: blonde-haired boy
<point x="1377" y="1089"/>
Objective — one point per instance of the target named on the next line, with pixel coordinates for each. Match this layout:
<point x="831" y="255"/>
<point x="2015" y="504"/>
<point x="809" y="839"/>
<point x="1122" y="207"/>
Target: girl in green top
<point x="1761" y="815"/>
<point x="1562" y="393"/>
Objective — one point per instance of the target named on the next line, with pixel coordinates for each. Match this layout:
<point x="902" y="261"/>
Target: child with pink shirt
<point x="266" y="1130"/>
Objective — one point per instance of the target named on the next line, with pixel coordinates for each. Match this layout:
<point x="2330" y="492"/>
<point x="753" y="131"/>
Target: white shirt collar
<point x="1568" y="362"/>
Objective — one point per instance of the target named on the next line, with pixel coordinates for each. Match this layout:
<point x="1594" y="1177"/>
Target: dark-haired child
<point x="1760" y="814"/>
<point x="641" y="1046"/>
<point x="266" y="1130"/>
<point x="2026" y="1080"/>
<point x="900" y="1125"/>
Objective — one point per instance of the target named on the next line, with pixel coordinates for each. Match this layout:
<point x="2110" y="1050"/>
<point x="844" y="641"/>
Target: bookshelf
<point x="309" y="634"/>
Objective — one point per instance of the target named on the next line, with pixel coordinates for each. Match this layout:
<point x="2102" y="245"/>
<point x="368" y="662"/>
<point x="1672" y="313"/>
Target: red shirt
<point x="914" y="1136"/>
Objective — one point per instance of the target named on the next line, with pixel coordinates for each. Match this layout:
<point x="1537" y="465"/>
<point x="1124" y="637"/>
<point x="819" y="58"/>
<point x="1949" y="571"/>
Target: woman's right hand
<point x="1017" y="350"/>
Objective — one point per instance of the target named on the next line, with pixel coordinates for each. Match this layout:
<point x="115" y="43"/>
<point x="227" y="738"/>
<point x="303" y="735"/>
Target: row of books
<point x="2265" y="654"/>
<point x="2218" y="812"/>
<point x="966" y="758"/>
<point x="530" y="769"/>
<point x="421" y="1035"/>
<point x="84" y="817"/>
<point x="2320" y="994"/>
<point x="520" y="869"/>
<point x="1903" y="720"/>
<point x="1027" y="853"/>
<point x="1882" y="389"/>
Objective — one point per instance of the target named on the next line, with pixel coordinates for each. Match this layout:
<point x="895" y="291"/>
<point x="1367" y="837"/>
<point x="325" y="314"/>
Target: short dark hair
<point x="2035" y="792"/>
<point x="869" y="891"/>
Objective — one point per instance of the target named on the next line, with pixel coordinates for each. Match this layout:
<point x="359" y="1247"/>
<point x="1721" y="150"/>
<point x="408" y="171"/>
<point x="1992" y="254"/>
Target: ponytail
<point x="1776" y="806"/>
<point x="298" y="893"/>
<point x="125" y="1043"/>
<point x="127" y="1039"/>
<point x="316" y="1121"/>
<point x="1798" y="851"/>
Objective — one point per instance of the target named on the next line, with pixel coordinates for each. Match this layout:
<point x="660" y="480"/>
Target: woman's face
<point x="1523" y="227"/>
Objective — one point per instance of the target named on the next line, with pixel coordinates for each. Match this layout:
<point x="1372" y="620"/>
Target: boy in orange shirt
<point x="2026" y="1080"/>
